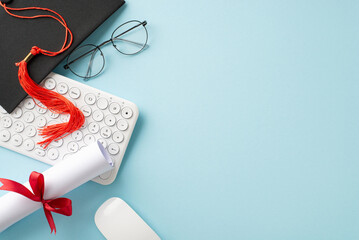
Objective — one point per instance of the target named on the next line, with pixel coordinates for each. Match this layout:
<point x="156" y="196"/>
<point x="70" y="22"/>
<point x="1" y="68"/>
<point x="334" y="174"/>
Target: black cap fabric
<point x="19" y="35"/>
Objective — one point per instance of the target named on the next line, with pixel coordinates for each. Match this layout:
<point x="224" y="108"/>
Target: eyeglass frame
<point x="143" y="23"/>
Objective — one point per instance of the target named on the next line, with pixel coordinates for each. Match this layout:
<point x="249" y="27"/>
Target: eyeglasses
<point x="88" y="60"/>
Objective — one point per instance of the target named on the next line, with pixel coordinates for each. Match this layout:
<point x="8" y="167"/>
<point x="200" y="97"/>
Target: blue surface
<point x="248" y="127"/>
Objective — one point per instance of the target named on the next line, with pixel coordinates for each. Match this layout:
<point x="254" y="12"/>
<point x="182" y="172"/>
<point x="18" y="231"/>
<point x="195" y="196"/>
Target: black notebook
<point x="17" y="36"/>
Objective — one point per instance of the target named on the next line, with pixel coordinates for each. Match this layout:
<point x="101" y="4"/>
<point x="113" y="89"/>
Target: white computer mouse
<point x="116" y="220"/>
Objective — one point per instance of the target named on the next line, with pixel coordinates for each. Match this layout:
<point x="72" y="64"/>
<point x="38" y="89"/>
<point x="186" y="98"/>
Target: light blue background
<point x="248" y="127"/>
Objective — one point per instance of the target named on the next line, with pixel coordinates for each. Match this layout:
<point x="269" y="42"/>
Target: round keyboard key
<point x="115" y="108"/>
<point x="86" y="110"/>
<point x="65" y="117"/>
<point x="77" y="135"/>
<point x="19" y="126"/>
<point x="94" y="127"/>
<point x="105" y="175"/>
<point x="88" y="139"/>
<point x="113" y="148"/>
<point x="41" y="109"/>
<point x="29" y="117"/>
<point x="62" y="88"/>
<point x="73" y="147"/>
<point x="75" y="93"/>
<point x="57" y="143"/>
<point x="105" y="132"/>
<point x="29" y="103"/>
<point x="126" y="112"/>
<point x="2" y="110"/>
<point x="30" y="131"/>
<point x="6" y="122"/>
<point x="102" y="103"/>
<point x="90" y="98"/>
<point x="53" y="153"/>
<point x="54" y="115"/>
<point x="110" y="120"/>
<point x="41" y="121"/>
<point x="122" y="124"/>
<point x="16" y="140"/>
<point x="103" y="142"/>
<point x="40" y="104"/>
<point x="40" y="152"/>
<point x="17" y="113"/>
<point x="84" y="125"/>
<point x="97" y="115"/>
<point x="117" y="137"/>
<point x="29" y="144"/>
<point x="5" y="135"/>
<point x="50" y="83"/>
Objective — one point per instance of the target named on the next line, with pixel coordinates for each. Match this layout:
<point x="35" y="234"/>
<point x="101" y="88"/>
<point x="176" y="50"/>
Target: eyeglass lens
<point x="130" y="38"/>
<point x="86" y="61"/>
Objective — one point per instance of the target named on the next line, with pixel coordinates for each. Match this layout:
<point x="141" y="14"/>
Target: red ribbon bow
<point x="59" y="205"/>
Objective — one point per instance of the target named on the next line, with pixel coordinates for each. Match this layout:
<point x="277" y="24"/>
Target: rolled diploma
<point x="59" y="180"/>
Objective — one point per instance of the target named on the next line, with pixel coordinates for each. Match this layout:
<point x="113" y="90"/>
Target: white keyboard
<point x="109" y="119"/>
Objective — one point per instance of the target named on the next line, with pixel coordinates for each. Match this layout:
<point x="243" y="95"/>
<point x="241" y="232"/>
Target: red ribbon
<point x="59" y="205"/>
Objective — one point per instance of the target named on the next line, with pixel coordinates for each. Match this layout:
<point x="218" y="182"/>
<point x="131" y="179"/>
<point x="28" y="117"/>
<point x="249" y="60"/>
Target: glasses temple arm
<point x="89" y="68"/>
<point x="142" y="23"/>
<point x="133" y="42"/>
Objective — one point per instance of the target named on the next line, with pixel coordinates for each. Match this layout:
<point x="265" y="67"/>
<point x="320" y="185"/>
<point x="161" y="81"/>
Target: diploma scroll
<point x="60" y="179"/>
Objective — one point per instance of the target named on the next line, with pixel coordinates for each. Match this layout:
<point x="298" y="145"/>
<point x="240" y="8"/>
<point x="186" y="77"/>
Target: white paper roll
<point x="59" y="180"/>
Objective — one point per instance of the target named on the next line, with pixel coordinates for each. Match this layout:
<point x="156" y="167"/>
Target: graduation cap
<point x="18" y="36"/>
<point x="17" y="32"/>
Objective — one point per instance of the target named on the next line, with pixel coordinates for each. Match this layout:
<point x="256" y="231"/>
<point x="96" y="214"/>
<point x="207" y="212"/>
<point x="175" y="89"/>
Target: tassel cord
<point x="60" y="19"/>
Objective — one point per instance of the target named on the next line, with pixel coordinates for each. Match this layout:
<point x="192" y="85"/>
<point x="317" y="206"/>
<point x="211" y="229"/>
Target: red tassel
<point x="55" y="102"/>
